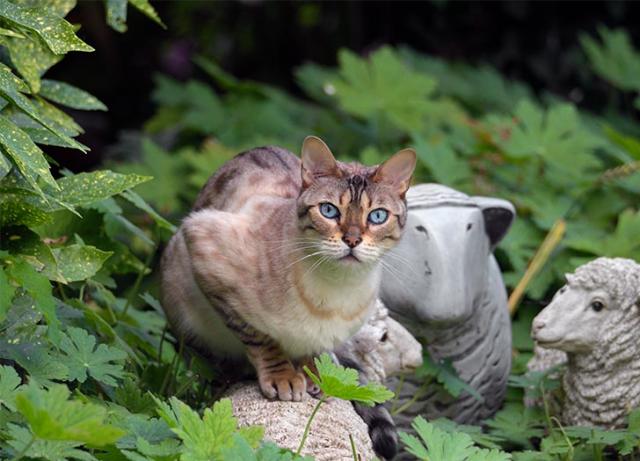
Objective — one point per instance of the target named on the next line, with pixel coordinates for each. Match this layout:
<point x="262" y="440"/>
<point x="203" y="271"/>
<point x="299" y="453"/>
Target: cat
<point x="279" y="259"/>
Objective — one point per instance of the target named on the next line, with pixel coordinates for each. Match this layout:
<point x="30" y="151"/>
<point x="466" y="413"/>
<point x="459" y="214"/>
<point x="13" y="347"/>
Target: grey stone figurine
<point x="595" y="320"/>
<point x="443" y="283"/>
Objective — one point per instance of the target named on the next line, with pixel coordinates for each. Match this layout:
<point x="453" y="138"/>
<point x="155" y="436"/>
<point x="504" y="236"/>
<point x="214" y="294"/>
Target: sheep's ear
<point x="498" y="217"/>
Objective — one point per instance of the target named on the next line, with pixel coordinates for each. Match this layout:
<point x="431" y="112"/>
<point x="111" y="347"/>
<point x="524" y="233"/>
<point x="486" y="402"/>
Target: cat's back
<point x="268" y="171"/>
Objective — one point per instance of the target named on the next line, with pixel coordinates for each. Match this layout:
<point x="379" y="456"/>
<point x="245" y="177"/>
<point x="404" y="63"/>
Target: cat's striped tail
<point x="382" y="429"/>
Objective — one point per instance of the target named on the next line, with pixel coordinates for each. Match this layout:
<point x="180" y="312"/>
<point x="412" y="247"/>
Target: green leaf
<point x="7" y="292"/>
<point x="102" y="363"/>
<point x="117" y="14"/>
<point x="87" y="188"/>
<point x="57" y="33"/>
<point x="39" y="288"/>
<point x="205" y="438"/>
<point x="51" y="450"/>
<point x="23" y="241"/>
<point x="38" y="110"/>
<point x="5" y="165"/>
<point x="139" y="202"/>
<point x="340" y="382"/>
<point x="145" y="8"/>
<point x="31" y="58"/>
<point x="446" y="375"/>
<point x="383" y="86"/>
<point x="614" y="59"/>
<point x="622" y="242"/>
<point x="79" y="262"/>
<point x="435" y="444"/>
<point x="9" y="386"/>
<point x="70" y="96"/>
<point x="517" y="424"/>
<point x="27" y="156"/>
<point x="53" y="417"/>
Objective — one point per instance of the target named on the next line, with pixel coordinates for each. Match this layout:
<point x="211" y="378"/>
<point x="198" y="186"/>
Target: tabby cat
<point x="280" y="257"/>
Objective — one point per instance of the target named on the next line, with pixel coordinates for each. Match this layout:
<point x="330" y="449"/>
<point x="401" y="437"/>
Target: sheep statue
<point x="595" y="320"/>
<point x="382" y="347"/>
<point x="445" y="286"/>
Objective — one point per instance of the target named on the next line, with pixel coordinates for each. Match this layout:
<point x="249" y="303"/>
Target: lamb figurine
<point x="443" y="283"/>
<point x="595" y="319"/>
<point x="382" y="347"/>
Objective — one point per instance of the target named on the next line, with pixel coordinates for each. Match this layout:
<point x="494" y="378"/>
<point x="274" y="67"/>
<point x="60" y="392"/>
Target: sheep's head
<point x="384" y="347"/>
<point x="598" y="295"/>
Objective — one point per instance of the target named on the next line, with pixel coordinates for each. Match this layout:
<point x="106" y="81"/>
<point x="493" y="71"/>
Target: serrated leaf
<point x="84" y="189"/>
<point x="372" y="87"/>
<point x="204" y="438"/>
<point x="57" y="33"/>
<point x="446" y="374"/>
<point x="79" y="262"/>
<point x="42" y="366"/>
<point x="51" y="450"/>
<point x="31" y="58"/>
<point x="103" y="363"/>
<point x="340" y="382"/>
<point x="70" y="96"/>
<point x="52" y="416"/>
<point x="9" y="386"/>
<point x="27" y="156"/>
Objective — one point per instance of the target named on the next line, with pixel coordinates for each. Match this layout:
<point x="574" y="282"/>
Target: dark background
<point x="533" y="41"/>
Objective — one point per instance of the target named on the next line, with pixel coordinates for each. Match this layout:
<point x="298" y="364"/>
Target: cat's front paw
<point x="285" y="384"/>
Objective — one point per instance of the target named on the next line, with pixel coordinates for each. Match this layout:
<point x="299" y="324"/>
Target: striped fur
<point x="256" y="270"/>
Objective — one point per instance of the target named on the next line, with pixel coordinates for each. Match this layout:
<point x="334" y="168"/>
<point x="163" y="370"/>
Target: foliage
<point x="337" y="381"/>
<point x="88" y="360"/>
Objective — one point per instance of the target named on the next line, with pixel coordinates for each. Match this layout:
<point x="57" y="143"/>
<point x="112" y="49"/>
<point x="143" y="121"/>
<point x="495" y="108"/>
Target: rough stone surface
<point x="382" y="347"/>
<point x="602" y="381"/>
<point x="443" y="283"/>
<point x="284" y="424"/>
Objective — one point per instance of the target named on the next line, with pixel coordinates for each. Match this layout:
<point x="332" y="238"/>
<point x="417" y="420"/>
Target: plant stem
<point x="308" y="426"/>
<point x="136" y="284"/>
<point x="25" y="449"/>
<point x="353" y="448"/>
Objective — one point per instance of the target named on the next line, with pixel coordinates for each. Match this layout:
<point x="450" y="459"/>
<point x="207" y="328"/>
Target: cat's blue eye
<point x="329" y="210"/>
<point x="378" y="216"/>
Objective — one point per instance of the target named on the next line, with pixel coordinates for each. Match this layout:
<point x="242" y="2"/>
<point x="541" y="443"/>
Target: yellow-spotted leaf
<point x="79" y="262"/>
<point x="70" y="96"/>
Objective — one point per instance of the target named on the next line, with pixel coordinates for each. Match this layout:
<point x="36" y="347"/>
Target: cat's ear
<point x="317" y="161"/>
<point x="397" y="170"/>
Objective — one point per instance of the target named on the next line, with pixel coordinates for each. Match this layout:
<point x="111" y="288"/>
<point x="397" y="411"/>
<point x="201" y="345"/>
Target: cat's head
<point x="349" y="212"/>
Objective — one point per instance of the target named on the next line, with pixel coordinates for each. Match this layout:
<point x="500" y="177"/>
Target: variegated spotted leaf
<point x="70" y="96"/>
<point x="79" y="262"/>
<point x="58" y="34"/>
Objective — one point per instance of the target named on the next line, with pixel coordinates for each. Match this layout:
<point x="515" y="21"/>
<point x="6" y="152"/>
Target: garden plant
<point x="89" y="368"/>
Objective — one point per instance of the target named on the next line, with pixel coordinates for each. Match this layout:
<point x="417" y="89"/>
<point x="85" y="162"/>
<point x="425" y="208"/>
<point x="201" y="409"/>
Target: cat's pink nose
<point x="351" y="240"/>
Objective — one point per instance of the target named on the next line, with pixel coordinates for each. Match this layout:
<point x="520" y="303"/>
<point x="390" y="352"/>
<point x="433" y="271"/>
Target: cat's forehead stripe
<point x="357" y="184"/>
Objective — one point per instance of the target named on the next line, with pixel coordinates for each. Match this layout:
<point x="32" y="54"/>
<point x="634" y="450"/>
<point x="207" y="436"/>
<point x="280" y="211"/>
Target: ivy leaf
<point x="51" y="450"/>
<point x="57" y="33"/>
<point x="70" y="96"/>
<point x="370" y="88"/>
<point x="340" y="382"/>
<point x="9" y="386"/>
<point x="52" y="416"/>
<point x="102" y="363"/>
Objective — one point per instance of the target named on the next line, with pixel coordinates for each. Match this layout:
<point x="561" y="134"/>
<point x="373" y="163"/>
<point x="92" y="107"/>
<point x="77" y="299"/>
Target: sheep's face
<point x="385" y="348"/>
<point x="574" y="321"/>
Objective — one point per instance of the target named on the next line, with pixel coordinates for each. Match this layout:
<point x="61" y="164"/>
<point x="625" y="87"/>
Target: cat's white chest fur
<point x="323" y="312"/>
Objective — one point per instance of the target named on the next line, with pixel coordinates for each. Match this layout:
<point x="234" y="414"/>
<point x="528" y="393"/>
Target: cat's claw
<point x="288" y="385"/>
